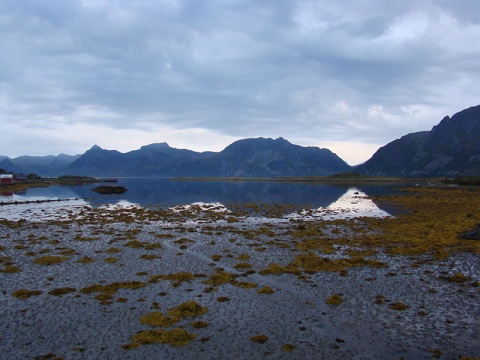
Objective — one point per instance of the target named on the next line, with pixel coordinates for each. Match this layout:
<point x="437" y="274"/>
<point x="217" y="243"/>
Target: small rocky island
<point x="109" y="189"/>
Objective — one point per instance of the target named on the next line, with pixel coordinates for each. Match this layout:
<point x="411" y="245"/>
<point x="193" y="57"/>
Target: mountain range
<point x="43" y="165"/>
<point x="258" y="157"/>
<point x="451" y="148"/>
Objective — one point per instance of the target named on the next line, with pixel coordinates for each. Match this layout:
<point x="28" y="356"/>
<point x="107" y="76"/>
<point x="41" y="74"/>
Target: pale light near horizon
<point x="349" y="76"/>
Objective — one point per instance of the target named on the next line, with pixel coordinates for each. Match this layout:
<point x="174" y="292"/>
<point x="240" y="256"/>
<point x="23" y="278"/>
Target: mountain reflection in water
<point x="153" y="192"/>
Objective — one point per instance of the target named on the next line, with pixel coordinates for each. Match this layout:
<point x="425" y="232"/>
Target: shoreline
<point x="102" y="269"/>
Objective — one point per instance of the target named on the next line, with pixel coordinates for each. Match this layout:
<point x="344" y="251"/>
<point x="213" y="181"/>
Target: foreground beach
<point x="244" y="283"/>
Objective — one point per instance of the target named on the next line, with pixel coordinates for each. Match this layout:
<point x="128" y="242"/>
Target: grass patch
<point x="219" y="278"/>
<point x="244" y="284"/>
<point x="85" y="260"/>
<point x="288" y="347"/>
<point x="10" y="269"/>
<point x="25" y="294"/>
<point x="135" y="244"/>
<point x="86" y="239"/>
<point x="335" y="299"/>
<point x="113" y="287"/>
<point x="61" y="291"/>
<point x="175" y="337"/>
<point x="265" y="290"/>
<point x="311" y="263"/>
<point x="187" y="309"/>
<point x="400" y="306"/>
<point x="68" y="252"/>
<point x="130" y="346"/>
<point x="458" y="278"/>
<point x="182" y="276"/>
<point x="149" y="257"/>
<point x="243" y="265"/>
<point x="243" y="257"/>
<point x="157" y="319"/>
<point x="260" y="338"/>
<point x="199" y="324"/>
<point x="49" y="260"/>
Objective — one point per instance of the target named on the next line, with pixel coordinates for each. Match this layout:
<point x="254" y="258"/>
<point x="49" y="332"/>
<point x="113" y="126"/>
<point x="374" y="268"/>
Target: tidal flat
<point x="248" y="282"/>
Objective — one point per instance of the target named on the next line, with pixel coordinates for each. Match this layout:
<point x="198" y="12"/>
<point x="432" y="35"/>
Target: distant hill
<point x="7" y="165"/>
<point x="42" y="165"/>
<point x="244" y="158"/>
<point x="451" y="148"/>
<point x="268" y="157"/>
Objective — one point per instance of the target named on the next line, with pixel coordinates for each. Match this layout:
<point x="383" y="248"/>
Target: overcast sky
<point x="349" y="75"/>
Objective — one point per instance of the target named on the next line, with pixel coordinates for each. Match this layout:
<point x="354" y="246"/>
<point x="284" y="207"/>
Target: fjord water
<point x="155" y="192"/>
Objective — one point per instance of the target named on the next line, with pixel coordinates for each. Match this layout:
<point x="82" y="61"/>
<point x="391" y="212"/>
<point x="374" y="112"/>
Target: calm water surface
<point x="152" y="192"/>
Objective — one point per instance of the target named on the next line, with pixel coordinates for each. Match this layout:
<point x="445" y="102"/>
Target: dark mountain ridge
<point x="268" y="157"/>
<point x="244" y="158"/>
<point x="258" y="157"/>
<point x="451" y="148"/>
<point x="49" y="165"/>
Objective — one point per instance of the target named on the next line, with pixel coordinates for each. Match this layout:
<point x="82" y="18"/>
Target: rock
<point x="104" y="189"/>
<point x="473" y="234"/>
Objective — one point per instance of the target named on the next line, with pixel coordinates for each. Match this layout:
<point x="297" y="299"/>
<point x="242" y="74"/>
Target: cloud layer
<point x="349" y="75"/>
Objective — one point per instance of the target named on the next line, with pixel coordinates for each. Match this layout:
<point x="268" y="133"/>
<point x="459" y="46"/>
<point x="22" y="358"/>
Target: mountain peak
<point x="266" y="157"/>
<point x="451" y="148"/>
<point x="95" y="148"/>
<point x="159" y="146"/>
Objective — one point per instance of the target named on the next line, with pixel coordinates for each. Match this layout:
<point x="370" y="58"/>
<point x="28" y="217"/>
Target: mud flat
<point x="249" y="282"/>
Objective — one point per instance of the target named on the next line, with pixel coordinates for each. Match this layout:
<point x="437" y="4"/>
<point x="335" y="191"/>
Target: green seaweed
<point x="61" y="291"/>
<point x="25" y="294"/>
<point x="187" y="309"/>
<point x="265" y="290"/>
<point x="157" y="319"/>
<point x="288" y="347"/>
<point x="49" y="260"/>
<point x="398" y="306"/>
<point x="199" y="324"/>
<point x="85" y="260"/>
<point x="175" y="337"/>
<point x="335" y="299"/>
<point x="10" y="269"/>
<point x="260" y="338"/>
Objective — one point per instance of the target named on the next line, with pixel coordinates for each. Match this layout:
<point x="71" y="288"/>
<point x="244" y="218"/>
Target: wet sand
<point x="154" y="261"/>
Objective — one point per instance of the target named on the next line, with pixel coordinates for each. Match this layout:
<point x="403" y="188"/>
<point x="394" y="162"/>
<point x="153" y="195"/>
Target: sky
<point x="349" y="76"/>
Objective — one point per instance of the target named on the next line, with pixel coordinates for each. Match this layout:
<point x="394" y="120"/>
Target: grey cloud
<point x="241" y="68"/>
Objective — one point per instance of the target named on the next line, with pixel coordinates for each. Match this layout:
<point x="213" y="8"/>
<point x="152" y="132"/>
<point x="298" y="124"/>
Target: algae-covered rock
<point x="335" y="299"/>
<point x="61" y="291"/>
<point x="260" y="338"/>
<point x="49" y="260"/>
<point x="158" y="319"/>
<point x="187" y="308"/>
<point x="265" y="290"/>
<point x="175" y="337"/>
<point x="25" y="294"/>
<point x="107" y="190"/>
<point x="400" y="306"/>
